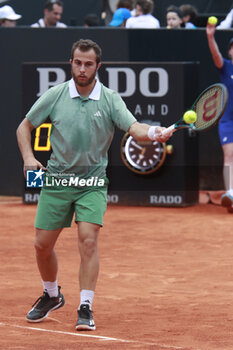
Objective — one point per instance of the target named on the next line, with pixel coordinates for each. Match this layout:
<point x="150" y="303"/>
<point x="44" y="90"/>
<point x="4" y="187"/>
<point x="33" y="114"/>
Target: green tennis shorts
<point x="57" y="206"/>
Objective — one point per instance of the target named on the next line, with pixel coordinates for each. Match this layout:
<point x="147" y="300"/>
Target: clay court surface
<point x="166" y="281"/>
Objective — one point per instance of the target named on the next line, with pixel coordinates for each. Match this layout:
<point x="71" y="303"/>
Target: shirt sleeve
<point x="42" y="108"/>
<point x="157" y="23"/>
<point x="128" y="23"/>
<point x="121" y="116"/>
<point x="227" y="22"/>
<point x="222" y="71"/>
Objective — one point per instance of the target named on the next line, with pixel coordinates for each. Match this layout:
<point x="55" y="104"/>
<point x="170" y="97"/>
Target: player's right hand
<point x="210" y="29"/>
<point x="162" y="137"/>
<point x="32" y="164"/>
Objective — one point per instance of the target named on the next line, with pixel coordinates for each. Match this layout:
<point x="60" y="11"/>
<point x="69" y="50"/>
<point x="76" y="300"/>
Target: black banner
<point x="156" y="93"/>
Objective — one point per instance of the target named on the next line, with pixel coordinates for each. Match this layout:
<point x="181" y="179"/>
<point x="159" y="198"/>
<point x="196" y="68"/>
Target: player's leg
<point x="227" y="198"/>
<point x="88" y="248"/>
<point x="54" y="211"/>
<point x="45" y="254"/>
<point x="88" y="272"/>
<point x="89" y="211"/>
<point x="52" y="298"/>
<point x="228" y="165"/>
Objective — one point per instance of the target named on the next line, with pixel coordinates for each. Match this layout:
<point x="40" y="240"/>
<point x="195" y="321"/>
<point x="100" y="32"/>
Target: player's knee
<point x="42" y="249"/>
<point x="228" y="155"/>
<point x="89" y="247"/>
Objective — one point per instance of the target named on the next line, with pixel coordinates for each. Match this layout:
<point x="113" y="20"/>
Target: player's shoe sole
<point x="83" y="327"/>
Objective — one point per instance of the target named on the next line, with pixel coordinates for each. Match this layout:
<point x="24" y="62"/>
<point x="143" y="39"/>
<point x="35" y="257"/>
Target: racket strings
<point x="209" y="107"/>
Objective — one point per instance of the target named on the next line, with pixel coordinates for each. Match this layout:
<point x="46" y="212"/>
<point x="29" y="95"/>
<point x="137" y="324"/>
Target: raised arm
<point x="23" y="134"/>
<point x="213" y="46"/>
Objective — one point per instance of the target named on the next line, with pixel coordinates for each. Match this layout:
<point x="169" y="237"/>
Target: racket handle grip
<point x="169" y="129"/>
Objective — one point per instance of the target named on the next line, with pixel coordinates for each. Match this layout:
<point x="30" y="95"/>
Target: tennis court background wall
<point x="20" y="45"/>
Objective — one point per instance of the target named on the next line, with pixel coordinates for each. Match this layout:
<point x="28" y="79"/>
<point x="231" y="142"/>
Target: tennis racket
<point x="209" y="107"/>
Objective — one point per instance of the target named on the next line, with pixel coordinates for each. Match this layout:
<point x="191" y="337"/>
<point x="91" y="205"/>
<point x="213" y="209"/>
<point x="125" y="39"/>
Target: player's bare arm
<point x="213" y="46"/>
<point x="24" y="141"/>
<point x="139" y="131"/>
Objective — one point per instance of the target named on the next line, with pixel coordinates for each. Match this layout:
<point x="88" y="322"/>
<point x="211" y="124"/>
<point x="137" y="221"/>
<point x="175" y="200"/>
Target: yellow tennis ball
<point x="212" y="20"/>
<point x="190" y="117"/>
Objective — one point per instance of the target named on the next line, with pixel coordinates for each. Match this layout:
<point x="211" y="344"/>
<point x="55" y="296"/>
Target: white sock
<point x="86" y="297"/>
<point x="51" y="288"/>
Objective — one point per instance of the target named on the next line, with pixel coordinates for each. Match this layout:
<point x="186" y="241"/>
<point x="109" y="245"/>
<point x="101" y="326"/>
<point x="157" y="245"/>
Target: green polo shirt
<point x="82" y="128"/>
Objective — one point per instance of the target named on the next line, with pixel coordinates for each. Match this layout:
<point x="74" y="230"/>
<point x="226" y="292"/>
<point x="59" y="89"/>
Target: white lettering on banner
<point x="138" y="110"/>
<point x="150" y="110"/>
<point x="130" y="78"/>
<point x="31" y="198"/>
<point x="45" y="83"/>
<point x="144" y="78"/>
<point x="144" y="81"/>
<point x="165" y="199"/>
<point x="113" y="198"/>
<point x="164" y="109"/>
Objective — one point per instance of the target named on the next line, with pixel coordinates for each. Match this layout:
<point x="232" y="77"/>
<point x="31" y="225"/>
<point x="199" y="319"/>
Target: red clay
<point x="166" y="281"/>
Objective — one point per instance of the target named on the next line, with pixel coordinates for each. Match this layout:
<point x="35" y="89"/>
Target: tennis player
<point x="83" y="114"/>
<point x="225" y="70"/>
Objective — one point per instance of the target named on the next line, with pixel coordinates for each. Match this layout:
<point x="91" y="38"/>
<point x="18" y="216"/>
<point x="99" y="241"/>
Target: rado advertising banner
<point x="140" y="173"/>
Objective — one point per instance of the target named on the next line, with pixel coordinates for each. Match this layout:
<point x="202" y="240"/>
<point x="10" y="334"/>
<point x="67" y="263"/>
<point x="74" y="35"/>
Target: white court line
<point x="91" y="336"/>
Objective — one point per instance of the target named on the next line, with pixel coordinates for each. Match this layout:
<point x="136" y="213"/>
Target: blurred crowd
<point x="118" y="13"/>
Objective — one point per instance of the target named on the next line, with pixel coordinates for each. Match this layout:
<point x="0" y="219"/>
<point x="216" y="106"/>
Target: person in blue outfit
<point x="225" y="69"/>
<point x="120" y="17"/>
<point x="190" y="15"/>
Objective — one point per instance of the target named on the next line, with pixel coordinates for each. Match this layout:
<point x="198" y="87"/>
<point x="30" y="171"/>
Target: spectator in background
<point x="174" y="17"/>
<point x="127" y="4"/>
<point x="189" y="16"/>
<point x="91" y="20"/>
<point x="8" y="17"/>
<point x="227" y="22"/>
<point x="108" y="9"/>
<point x="143" y="17"/>
<point x="120" y="17"/>
<point x="110" y="6"/>
<point x="53" y="10"/>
